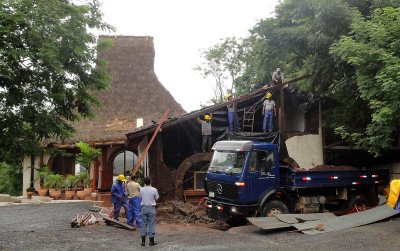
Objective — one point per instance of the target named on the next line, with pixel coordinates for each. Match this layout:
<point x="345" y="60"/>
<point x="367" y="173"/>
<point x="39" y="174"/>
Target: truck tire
<point x="274" y="207"/>
<point x="357" y="200"/>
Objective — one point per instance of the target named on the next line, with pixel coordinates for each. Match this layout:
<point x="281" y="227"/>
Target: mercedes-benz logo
<point x="219" y="188"/>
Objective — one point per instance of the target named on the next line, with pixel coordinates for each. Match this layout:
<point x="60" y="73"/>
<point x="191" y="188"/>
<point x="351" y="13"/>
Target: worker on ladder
<point x="268" y="112"/>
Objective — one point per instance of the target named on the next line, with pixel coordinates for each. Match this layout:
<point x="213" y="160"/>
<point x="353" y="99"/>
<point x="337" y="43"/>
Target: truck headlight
<point x="234" y="209"/>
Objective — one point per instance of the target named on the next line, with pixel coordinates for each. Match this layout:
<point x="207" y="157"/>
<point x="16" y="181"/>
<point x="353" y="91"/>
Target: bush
<point x="11" y="179"/>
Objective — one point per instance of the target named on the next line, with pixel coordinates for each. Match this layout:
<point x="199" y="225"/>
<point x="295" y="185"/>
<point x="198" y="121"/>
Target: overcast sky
<point x="181" y="28"/>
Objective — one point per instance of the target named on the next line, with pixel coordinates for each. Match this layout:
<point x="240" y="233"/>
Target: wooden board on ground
<point x="268" y="223"/>
<point x="111" y="221"/>
<point x="300" y="218"/>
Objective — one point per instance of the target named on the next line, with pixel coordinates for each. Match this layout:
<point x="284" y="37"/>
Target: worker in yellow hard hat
<point x="268" y="112"/>
<point x="206" y="133"/>
<point x="118" y="196"/>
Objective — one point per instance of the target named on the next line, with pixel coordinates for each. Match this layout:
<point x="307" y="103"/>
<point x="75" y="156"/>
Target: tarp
<point x="270" y="137"/>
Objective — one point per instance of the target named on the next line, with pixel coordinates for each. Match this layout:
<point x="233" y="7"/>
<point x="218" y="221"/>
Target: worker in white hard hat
<point x="118" y="196"/>
<point x="269" y="112"/>
<point x="277" y="77"/>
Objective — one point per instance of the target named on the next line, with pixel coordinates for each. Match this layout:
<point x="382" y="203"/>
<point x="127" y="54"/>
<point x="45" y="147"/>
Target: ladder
<point x="248" y="119"/>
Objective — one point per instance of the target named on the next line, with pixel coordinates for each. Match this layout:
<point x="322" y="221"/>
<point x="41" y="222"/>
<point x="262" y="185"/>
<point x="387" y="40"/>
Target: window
<point x="124" y="162"/>
<point x="261" y="161"/>
<point x="64" y="165"/>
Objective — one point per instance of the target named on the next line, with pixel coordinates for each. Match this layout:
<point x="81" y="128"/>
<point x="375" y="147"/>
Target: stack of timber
<point x="83" y="220"/>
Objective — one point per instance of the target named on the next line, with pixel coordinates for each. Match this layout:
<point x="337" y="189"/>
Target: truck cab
<point x="245" y="178"/>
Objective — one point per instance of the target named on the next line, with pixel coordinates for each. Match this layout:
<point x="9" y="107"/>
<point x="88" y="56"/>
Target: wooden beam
<point x="160" y="122"/>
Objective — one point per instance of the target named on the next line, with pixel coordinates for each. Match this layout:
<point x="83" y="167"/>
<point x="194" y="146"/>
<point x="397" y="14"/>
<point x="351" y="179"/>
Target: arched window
<point x="124" y="163"/>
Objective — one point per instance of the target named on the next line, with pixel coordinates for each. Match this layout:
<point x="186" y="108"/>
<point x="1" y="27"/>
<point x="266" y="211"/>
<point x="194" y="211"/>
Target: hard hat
<point x="268" y="95"/>
<point x="229" y="96"/>
<point x="278" y="69"/>
<point x="207" y="117"/>
<point x="121" y="177"/>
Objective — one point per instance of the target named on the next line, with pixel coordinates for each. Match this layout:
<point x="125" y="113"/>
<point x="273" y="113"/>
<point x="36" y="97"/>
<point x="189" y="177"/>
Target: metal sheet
<point x="300" y="218"/>
<point x="347" y="221"/>
<point x="268" y="223"/>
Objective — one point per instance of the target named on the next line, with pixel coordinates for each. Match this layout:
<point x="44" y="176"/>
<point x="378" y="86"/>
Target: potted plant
<point x="85" y="181"/>
<point x="30" y="191"/>
<point x="86" y="157"/>
<point x="41" y="176"/>
<point x="70" y="185"/>
<point x="55" y="182"/>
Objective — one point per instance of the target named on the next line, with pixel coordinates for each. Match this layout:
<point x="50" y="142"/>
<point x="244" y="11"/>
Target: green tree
<point x="373" y="49"/>
<point x="223" y="63"/>
<point x="48" y="59"/>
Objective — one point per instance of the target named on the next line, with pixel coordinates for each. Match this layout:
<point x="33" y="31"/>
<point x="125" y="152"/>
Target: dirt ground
<point x="47" y="227"/>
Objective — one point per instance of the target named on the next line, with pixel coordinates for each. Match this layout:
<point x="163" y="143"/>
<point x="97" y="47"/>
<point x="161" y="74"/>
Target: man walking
<point x="118" y="196"/>
<point x="269" y="112"/>
<point x="149" y="196"/>
<point x="133" y="188"/>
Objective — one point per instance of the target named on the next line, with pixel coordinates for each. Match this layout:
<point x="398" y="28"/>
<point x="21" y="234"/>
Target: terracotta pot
<point x="29" y="194"/>
<point x="56" y="194"/>
<point x="81" y="194"/>
<point x="42" y="191"/>
<point x="93" y="196"/>
<point x="69" y="195"/>
<point x="51" y="192"/>
<point x="88" y="191"/>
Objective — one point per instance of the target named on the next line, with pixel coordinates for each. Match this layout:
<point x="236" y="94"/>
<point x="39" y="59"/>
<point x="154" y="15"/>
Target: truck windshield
<point x="227" y="161"/>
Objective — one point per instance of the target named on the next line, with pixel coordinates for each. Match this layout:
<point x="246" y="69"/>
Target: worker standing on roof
<point x="133" y="188"/>
<point x="269" y="112"/>
<point x="118" y="196"/>
<point x="277" y="77"/>
<point x="231" y="113"/>
<point x="206" y="133"/>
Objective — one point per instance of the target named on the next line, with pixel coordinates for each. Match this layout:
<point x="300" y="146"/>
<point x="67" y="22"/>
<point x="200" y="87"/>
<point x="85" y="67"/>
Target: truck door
<point x="261" y="175"/>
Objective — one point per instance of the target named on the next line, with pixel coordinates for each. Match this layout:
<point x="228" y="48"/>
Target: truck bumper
<point x="219" y="210"/>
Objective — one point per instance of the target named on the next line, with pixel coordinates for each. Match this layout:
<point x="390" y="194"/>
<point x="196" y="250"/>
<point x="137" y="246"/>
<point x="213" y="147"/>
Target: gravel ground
<point x="47" y="227"/>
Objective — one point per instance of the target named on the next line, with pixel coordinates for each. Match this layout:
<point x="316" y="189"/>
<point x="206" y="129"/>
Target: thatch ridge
<point x="135" y="92"/>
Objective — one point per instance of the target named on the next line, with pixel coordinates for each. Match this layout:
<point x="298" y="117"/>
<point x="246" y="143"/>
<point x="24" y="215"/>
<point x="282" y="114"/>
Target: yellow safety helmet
<point x="229" y="95"/>
<point x="207" y="117"/>
<point x="121" y="177"/>
<point x="268" y="95"/>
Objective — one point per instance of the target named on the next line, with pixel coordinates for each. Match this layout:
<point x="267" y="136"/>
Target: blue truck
<point x="246" y="179"/>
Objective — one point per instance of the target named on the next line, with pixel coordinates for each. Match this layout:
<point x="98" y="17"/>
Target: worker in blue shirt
<point x="118" y="196"/>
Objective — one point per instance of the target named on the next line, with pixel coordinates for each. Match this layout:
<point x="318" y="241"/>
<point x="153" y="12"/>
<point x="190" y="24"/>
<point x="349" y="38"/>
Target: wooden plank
<point x="347" y="221"/>
<point x="114" y="222"/>
<point x="300" y="218"/>
<point x="268" y="223"/>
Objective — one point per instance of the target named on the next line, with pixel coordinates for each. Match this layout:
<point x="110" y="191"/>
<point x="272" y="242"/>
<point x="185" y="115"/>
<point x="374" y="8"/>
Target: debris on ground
<point x="186" y="213"/>
<point x="83" y="220"/>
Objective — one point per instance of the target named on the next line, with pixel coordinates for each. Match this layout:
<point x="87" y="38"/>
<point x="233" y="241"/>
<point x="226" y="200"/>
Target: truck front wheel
<point x="274" y="207"/>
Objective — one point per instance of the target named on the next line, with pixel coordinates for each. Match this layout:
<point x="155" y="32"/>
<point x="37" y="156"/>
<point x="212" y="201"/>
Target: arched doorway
<point x="190" y="175"/>
<point x="123" y="161"/>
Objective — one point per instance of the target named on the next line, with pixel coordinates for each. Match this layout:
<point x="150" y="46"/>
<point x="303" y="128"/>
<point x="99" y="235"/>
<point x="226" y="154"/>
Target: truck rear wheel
<point x="274" y="207"/>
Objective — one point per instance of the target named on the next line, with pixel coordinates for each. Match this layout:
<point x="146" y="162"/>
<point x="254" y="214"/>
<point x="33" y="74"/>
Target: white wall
<point x="306" y="150"/>
<point x="26" y="171"/>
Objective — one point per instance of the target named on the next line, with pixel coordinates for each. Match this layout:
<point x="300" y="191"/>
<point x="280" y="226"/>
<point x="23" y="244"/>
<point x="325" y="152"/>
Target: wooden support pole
<point x="160" y="122"/>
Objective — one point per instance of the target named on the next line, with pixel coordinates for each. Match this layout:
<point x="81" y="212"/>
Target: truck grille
<point x="229" y="191"/>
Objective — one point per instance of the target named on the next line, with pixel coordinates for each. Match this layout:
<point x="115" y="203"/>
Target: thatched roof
<point x="135" y="92"/>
